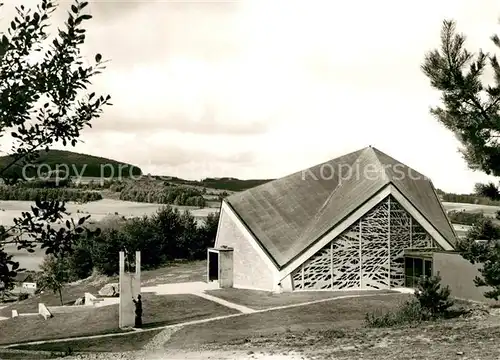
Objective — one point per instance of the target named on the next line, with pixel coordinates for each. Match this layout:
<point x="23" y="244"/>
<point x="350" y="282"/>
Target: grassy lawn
<point x="159" y="310"/>
<point x="175" y="273"/>
<point x="32" y="328"/>
<point x="259" y="300"/>
<point x="342" y="313"/>
<point x="128" y="342"/>
<point x="162" y="310"/>
<point x="70" y="294"/>
<point x="7" y="354"/>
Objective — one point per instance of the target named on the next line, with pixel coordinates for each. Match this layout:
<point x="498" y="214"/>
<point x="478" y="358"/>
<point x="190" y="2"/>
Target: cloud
<point x="206" y="124"/>
<point x="260" y="89"/>
<point x="172" y="155"/>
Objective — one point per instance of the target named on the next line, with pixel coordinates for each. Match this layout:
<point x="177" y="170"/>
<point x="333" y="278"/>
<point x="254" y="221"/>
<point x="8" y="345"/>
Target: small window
<point x="408" y="266"/>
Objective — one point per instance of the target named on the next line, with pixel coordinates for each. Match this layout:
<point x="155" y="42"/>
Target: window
<point x="415" y="268"/>
<point x="418" y="267"/>
<point x="409" y="272"/>
<point x="409" y="266"/>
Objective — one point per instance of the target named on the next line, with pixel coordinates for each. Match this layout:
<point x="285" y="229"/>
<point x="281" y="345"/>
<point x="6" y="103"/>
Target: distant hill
<point x="232" y="184"/>
<point x="223" y="183"/>
<point x="78" y="164"/>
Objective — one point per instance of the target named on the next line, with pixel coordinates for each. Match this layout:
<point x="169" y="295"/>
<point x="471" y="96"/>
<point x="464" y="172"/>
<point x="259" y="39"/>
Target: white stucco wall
<point x="250" y="270"/>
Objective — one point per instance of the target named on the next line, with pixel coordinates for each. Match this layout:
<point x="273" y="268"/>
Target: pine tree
<point x="433" y="298"/>
<point x="485" y="252"/>
<point x="471" y="110"/>
<point x="470" y="107"/>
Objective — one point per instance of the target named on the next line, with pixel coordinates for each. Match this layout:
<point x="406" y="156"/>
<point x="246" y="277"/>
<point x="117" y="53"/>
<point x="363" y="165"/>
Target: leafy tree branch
<point x="44" y="100"/>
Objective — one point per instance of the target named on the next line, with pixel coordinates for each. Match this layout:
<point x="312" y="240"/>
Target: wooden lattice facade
<point x="368" y="255"/>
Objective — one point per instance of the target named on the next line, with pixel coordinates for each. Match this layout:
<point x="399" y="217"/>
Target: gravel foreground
<point x="215" y="355"/>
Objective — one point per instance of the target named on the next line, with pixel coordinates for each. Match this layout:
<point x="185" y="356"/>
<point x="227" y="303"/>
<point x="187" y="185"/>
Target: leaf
<point x="82" y="17"/>
<point x="74" y="9"/>
<point x="98" y="58"/>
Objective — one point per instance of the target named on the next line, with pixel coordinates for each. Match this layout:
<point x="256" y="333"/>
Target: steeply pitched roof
<point x="289" y="214"/>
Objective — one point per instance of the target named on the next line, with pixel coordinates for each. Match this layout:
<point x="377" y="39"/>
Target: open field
<point x="488" y="210"/>
<point x="159" y="310"/>
<point x="98" y="209"/>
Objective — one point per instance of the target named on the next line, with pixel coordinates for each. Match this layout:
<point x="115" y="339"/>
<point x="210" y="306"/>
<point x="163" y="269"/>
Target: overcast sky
<point x="260" y="89"/>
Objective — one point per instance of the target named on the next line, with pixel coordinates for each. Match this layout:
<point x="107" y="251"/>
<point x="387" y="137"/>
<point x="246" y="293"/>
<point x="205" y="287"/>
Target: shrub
<point x="434" y="300"/>
<point x="465" y="218"/>
<point x="430" y="301"/>
<point x="408" y="312"/>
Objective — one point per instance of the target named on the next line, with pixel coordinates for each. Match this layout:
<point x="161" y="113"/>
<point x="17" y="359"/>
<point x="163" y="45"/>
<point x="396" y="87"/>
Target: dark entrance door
<point x="213" y="266"/>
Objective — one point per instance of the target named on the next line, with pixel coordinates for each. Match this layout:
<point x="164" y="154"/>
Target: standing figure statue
<point x="138" y="311"/>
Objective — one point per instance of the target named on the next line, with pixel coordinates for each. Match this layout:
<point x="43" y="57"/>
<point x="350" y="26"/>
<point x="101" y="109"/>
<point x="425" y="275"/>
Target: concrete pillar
<point x="138" y="263"/>
<point x="130" y="287"/>
<point x="226" y="268"/>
